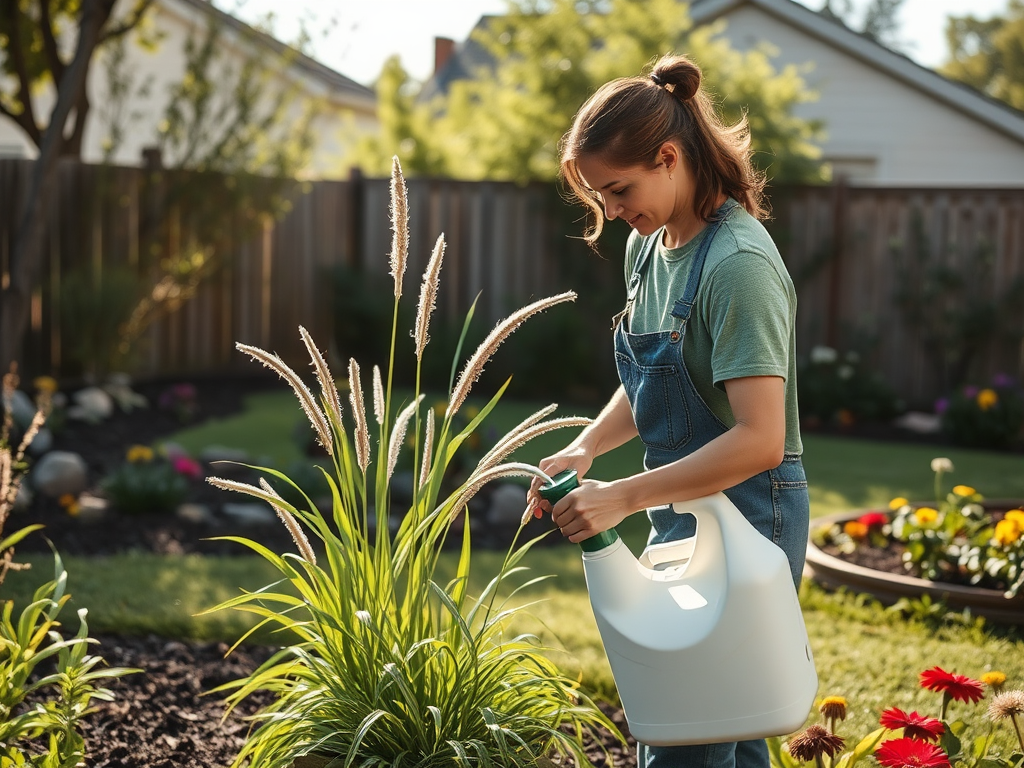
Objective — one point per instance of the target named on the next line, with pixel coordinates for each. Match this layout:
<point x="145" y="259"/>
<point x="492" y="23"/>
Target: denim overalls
<point x="674" y="421"/>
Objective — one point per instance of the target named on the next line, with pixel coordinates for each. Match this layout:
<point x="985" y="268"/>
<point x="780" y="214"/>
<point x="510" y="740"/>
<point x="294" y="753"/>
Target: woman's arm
<point x="756" y="443"/>
<point x="613" y="427"/>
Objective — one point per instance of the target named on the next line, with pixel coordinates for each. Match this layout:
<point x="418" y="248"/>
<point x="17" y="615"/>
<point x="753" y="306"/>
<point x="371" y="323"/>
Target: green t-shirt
<point x="743" y="321"/>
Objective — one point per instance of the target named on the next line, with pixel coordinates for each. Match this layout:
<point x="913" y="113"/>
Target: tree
<point x="877" y="22"/>
<point x="988" y="54"/>
<point x="548" y="58"/>
<point x="31" y="56"/>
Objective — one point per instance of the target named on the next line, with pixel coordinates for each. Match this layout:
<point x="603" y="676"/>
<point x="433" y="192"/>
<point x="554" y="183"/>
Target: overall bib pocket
<point x="656" y="397"/>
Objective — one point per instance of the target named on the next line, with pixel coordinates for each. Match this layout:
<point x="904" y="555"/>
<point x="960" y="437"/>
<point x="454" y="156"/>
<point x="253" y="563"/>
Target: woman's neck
<point x="682" y="228"/>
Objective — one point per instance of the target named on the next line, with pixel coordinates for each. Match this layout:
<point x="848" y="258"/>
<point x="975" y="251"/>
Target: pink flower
<point x="188" y="467"/>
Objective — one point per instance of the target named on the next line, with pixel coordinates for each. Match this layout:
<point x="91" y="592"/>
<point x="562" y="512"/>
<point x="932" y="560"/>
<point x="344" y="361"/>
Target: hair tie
<point x="657" y="79"/>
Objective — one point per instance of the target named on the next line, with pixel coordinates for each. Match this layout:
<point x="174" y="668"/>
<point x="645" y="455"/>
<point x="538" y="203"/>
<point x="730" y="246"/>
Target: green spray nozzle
<point x="559" y="486"/>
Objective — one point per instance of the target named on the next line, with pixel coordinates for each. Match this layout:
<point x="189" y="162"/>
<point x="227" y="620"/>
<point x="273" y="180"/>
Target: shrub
<point x="836" y="388"/>
<point x="146" y="483"/>
<point x="393" y="665"/>
<point x="984" y="417"/>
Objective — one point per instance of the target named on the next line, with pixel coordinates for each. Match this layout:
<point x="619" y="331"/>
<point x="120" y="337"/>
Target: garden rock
<point x="60" y="472"/>
<point x="197" y="514"/>
<point x="920" y="423"/>
<point x="92" y="404"/>
<point x="508" y="501"/>
<point x="249" y="514"/>
<point x="41" y="443"/>
<point x="24" y="498"/>
<point x="92" y="509"/>
<point x="22" y="409"/>
<point x="119" y="387"/>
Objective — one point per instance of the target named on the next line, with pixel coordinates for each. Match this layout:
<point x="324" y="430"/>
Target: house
<point x="345" y="108"/>
<point x="888" y="120"/>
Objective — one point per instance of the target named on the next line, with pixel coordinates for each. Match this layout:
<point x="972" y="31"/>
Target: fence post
<point x="839" y="203"/>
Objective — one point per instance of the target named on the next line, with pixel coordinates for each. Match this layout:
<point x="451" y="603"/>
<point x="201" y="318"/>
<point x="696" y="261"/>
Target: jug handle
<point x="667" y="552"/>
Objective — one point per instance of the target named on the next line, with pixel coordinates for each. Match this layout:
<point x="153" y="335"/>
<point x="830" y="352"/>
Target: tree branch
<point x="27" y="118"/>
<point x="50" y="41"/>
<point x="131" y="21"/>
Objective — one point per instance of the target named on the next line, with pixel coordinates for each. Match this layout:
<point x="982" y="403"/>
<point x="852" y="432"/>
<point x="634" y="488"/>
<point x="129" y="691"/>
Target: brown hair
<point x="628" y="120"/>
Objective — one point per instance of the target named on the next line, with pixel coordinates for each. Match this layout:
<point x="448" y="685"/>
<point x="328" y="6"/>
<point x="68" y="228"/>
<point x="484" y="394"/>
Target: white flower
<point x="942" y="464"/>
<point x="822" y="354"/>
<point x="845" y="372"/>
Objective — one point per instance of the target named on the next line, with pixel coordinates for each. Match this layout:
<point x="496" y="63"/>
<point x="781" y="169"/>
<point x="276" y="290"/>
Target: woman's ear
<point x="669" y="155"/>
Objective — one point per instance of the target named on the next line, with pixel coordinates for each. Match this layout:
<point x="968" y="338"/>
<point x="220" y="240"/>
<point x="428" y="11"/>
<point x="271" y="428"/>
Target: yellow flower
<point x="898" y="502"/>
<point x="1017" y="515"/>
<point x="46" y="384"/>
<point x="963" y="490"/>
<point x="856" y="530"/>
<point x="1007" y="532"/>
<point x="926" y="515"/>
<point x="833" y="708"/>
<point x="994" y="679"/>
<point x="139" y="453"/>
<point x="986" y="399"/>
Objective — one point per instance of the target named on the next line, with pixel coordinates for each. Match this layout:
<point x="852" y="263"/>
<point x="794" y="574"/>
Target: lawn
<point x="868" y="654"/>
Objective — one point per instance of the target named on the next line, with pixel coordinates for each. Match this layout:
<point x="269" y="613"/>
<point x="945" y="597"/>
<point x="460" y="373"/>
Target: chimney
<point x="443" y="49"/>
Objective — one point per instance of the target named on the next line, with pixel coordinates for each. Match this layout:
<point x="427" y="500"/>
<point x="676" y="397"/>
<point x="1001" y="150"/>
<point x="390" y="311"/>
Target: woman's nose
<point x="611" y="210"/>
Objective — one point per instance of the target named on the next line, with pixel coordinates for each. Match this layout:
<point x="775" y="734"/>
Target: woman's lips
<point x="632" y="222"/>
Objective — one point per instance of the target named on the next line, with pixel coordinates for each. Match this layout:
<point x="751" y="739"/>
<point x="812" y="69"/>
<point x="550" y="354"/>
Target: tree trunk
<point x="26" y="256"/>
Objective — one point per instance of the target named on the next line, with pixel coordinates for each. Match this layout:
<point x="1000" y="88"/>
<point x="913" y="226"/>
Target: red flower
<point x="914" y="726"/>
<point x="957" y="687"/>
<point x="910" y="753"/>
<point x="874" y="519"/>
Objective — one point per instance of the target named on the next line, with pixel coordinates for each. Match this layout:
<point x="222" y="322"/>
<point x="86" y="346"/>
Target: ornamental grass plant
<point x="393" y="664"/>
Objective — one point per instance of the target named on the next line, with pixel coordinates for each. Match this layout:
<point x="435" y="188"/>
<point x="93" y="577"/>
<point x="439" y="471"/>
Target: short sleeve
<point x="747" y="308"/>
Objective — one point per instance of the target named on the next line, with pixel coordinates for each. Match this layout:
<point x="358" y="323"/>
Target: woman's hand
<point x="571" y="457"/>
<point x="590" y="509"/>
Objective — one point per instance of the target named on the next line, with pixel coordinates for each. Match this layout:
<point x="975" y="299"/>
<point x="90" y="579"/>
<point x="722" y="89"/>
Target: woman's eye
<point x="619" y="191"/>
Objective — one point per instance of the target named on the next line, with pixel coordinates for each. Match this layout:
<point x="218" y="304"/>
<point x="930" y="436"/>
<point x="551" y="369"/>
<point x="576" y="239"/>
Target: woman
<point x="705" y="346"/>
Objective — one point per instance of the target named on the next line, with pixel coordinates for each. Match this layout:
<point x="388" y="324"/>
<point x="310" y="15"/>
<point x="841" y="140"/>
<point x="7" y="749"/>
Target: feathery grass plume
<point x="323" y="375"/>
<point x="378" y="395"/>
<point x="509" y="444"/>
<point x="428" y="447"/>
<point x="362" y="433"/>
<point x="398" y="434"/>
<point x="478" y="480"/>
<point x="471" y="372"/>
<point x="301" y="542"/>
<point x="428" y="296"/>
<point x="399" y="225"/>
<point x="306" y="399"/>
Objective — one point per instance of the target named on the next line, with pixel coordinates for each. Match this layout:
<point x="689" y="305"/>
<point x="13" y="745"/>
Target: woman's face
<point x="645" y="198"/>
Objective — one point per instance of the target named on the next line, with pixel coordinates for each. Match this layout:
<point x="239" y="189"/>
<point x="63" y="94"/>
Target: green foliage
<point x="950" y="301"/>
<point x="94" y="310"/>
<point x="985" y="417"/>
<point x="146" y="485"/>
<point x="839" y="388"/>
<point x="42" y="709"/>
<point x="395" y="662"/>
<point x="549" y="57"/>
<point x="986" y="53"/>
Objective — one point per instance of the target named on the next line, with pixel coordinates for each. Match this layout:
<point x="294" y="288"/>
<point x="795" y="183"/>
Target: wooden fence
<point x="507" y="243"/>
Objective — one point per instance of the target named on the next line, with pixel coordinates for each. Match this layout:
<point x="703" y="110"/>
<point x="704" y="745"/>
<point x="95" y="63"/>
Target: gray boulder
<point x="91" y="404"/>
<point x="60" y="472"/>
<point x="507" y="503"/>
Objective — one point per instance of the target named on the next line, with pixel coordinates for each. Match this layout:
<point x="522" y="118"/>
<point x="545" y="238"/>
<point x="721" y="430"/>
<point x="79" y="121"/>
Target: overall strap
<point x="682" y="307"/>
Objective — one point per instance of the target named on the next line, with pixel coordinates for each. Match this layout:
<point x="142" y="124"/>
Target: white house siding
<point x="344" y="116"/>
<point x="879" y="129"/>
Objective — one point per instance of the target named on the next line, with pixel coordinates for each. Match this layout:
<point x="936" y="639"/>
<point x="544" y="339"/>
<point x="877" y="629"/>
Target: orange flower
<point x="856" y="530"/>
<point x="986" y="399"/>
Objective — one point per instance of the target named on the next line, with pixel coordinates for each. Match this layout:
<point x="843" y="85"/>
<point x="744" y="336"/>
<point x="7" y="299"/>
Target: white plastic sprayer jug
<point x="705" y="636"/>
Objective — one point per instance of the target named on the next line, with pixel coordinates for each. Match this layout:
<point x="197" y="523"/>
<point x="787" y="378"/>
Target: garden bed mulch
<point x="162" y="718"/>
